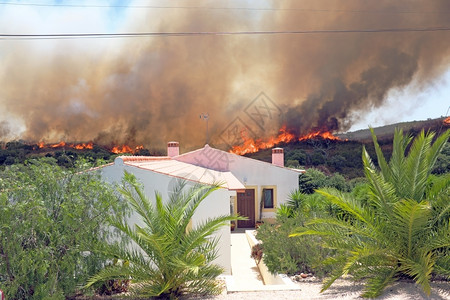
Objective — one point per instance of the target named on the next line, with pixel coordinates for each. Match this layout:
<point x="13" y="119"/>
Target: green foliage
<point x="338" y="162"/>
<point x="401" y="228"/>
<point x="283" y="254"/>
<point x="50" y="219"/>
<point x="296" y="157"/>
<point x="167" y="257"/>
<point x="314" y="179"/>
<point x="317" y="158"/>
<point x="443" y="161"/>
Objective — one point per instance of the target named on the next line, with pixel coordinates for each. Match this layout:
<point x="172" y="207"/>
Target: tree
<point x="443" y="161"/>
<point x="50" y="218"/>
<point x="168" y="258"/>
<point x="402" y="229"/>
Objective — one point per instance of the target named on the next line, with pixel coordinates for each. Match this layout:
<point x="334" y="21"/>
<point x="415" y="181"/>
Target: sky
<point x="150" y="90"/>
<point x="406" y="105"/>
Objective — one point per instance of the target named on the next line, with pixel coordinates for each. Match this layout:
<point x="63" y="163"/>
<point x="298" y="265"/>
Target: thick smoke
<point x="152" y="90"/>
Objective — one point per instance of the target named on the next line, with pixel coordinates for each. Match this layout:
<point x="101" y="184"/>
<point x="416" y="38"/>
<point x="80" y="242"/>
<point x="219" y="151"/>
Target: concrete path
<point x="245" y="274"/>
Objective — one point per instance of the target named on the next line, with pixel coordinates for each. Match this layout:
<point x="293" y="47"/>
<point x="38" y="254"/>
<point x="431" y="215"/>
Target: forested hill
<point x="329" y="156"/>
<point x="344" y="157"/>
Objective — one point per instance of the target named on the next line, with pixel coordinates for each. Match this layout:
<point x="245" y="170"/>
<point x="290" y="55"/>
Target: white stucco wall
<point x="258" y="174"/>
<point x="216" y="204"/>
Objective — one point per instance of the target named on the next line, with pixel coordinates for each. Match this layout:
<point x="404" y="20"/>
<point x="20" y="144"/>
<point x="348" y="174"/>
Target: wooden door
<point x="246" y="207"/>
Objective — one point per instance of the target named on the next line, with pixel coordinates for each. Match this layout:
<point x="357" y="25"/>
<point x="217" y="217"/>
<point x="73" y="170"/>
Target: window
<point x="268" y="198"/>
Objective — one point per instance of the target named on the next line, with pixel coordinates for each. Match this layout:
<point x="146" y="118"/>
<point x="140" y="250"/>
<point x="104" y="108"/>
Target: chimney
<point x="173" y="149"/>
<point x="278" y="157"/>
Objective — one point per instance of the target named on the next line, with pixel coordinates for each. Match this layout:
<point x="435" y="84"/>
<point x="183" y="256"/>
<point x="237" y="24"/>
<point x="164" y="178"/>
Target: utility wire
<point x="229" y="8"/>
<point x="206" y="33"/>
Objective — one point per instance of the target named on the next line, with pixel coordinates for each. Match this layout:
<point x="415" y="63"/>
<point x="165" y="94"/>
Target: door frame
<point x="255" y="189"/>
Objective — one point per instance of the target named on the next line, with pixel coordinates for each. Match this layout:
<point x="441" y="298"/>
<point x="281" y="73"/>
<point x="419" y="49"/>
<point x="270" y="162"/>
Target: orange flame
<point x="251" y="145"/>
<point x="447" y="121"/>
<point x="82" y="146"/>
<point x="62" y="144"/>
<point x="126" y="149"/>
<point x="90" y="145"/>
<point x="322" y="134"/>
<point x="58" y="145"/>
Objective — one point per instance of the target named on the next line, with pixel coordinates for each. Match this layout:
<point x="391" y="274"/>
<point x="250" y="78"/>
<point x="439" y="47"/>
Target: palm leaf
<point x="385" y="170"/>
<point x="411" y="220"/>
<point x="376" y="284"/>
<point x="165" y="258"/>
<point x="420" y="269"/>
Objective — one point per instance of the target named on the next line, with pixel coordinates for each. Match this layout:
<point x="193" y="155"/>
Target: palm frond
<point x="420" y="269"/>
<point x="383" y="192"/>
<point x="375" y="285"/>
<point x="396" y="163"/>
<point x="165" y="258"/>
<point x="350" y="206"/>
<point x="134" y="195"/>
<point x="404" y="226"/>
<point x="410" y="221"/>
<point x="386" y="172"/>
<point x="417" y="167"/>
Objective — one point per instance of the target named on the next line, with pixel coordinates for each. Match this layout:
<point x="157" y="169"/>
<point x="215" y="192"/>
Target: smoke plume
<point x="151" y="90"/>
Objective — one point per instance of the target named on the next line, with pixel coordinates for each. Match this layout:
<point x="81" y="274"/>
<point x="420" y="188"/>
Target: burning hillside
<point x="116" y="149"/>
<point x="447" y="121"/>
<point x="251" y="145"/>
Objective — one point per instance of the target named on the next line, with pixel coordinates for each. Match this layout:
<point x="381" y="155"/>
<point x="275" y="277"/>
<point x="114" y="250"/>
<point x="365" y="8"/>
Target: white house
<point x="249" y="187"/>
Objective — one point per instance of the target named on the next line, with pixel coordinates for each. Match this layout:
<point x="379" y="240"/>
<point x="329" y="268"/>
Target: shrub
<point x="283" y="254"/>
<point x="49" y="220"/>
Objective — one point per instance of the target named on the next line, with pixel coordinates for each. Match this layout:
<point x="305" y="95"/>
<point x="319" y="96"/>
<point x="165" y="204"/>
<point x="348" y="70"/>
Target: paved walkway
<point x="245" y="274"/>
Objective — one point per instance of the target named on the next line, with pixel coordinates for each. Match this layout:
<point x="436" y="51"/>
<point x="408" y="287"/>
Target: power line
<point x="208" y="33"/>
<point x="274" y="9"/>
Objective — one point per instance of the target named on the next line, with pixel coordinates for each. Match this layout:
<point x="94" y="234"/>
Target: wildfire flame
<point x="322" y="134"/>
<point x="90" y="145"/>
<point x="251" y="145"/>
<point x="125" y="149"/>
<point x="62" y="144"/>
<point x="447" y="121"/>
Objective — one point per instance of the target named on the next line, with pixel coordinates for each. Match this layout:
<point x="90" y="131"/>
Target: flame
<point x="126" y="149"/>
<point x="251" y="145"/>
<point x="322" y="134"/>
<point x="62" y="144"/>
<point x="447" y="121"/>
<point x="90" y="145"/>
<point x="58" y="145"/>
<point x="82" y="146"/>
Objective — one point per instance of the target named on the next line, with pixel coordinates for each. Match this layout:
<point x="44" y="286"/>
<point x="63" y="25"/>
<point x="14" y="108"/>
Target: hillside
<point x="387" y="132"/>
<point x="344" y="156"/>
<point x="330" y="156"/>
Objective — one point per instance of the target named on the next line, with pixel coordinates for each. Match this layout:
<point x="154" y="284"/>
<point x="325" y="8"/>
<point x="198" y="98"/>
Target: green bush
<point x="50" y="219"/>
<point x="283" y="254"/>
<point x="314" y="179"/>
